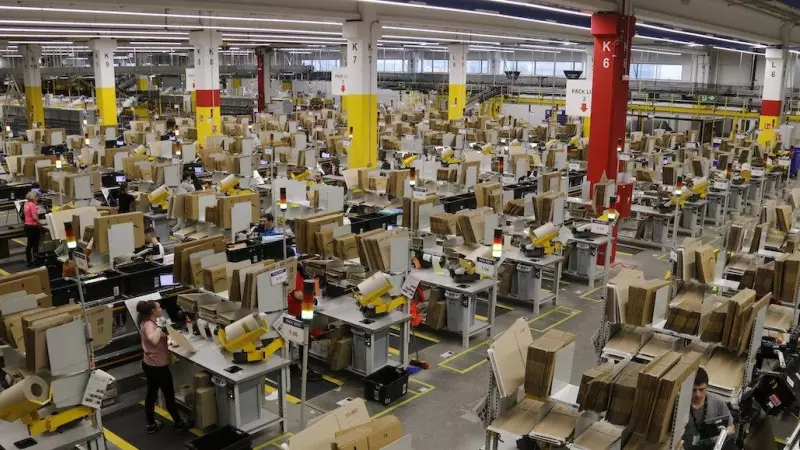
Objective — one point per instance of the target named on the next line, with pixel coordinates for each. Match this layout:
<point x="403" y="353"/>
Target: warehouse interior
<point x="396" y="225"/>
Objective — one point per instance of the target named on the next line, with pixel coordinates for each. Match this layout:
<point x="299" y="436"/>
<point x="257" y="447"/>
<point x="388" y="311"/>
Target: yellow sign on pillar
<point x="206" y="44"/>
<point x="362" y="92"/>
<point x="771" y="97"/>
<point x="457" y="100"/>
<point x="32" y="76"/>
<point x="104" y="82"/>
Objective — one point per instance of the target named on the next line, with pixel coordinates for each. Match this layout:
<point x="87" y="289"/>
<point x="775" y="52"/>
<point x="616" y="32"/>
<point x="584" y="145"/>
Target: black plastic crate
<point x="386" y="385"/>
<point x="374" y="221"/>
<point x="456" y="203"/>
<point x="225" y="438"/>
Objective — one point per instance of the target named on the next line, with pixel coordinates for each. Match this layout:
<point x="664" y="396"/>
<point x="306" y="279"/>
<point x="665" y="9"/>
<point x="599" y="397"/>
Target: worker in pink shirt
<point x="32" y="226"/>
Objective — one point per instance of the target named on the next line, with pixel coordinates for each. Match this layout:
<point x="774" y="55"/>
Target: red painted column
<point x="613" y="34"/>
<point x="264" y="69"/>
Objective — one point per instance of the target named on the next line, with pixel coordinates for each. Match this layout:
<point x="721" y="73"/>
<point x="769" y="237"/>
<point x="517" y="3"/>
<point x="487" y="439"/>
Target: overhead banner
<point x="579" y="98"/>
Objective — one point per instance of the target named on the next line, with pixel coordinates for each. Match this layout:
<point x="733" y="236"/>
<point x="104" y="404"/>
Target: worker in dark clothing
<point x="170" y="135"/>
<point x="126" y="200"/>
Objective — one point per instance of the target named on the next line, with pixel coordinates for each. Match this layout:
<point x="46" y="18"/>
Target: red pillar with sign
<point x="612" y="33"/>
<point x="263" y="70"/>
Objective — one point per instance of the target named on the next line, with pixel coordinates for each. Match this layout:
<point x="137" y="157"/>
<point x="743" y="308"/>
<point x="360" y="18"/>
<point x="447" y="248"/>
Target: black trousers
<point x="32" y="232"/>
<point x="159" y="377"/>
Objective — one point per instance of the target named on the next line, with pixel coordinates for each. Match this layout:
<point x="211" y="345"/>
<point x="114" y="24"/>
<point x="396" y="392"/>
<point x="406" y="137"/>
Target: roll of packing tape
<point x="24" y="397"/>
<point x="245" y="325"/>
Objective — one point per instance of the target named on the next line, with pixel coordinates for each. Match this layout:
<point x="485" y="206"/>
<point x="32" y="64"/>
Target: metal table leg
<point x="465" y="319"/>
<point x="536" y="274"/>
<point x="557" y="281"/>
<point x="593" y="265"/>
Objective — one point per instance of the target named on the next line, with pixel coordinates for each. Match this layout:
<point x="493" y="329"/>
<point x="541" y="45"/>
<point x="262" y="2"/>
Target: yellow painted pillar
<point x="142" y="83"/>
<point x="362" y="91"/>
<point x="206" y="66"/>
<point x="236" y="83"/>
<point x="771" y="98"/>
<point x="457" y="88"/>
<point x="32" y="77"/>
<point x="104" y="81"/>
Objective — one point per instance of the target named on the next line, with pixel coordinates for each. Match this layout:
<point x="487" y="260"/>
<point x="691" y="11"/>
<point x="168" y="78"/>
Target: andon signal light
<point x="283" y="203"/>
<point x="307" y="313"/>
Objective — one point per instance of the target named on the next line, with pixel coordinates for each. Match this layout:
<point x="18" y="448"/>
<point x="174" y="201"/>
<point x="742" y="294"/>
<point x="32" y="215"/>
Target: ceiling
<point x="547" y="25"/>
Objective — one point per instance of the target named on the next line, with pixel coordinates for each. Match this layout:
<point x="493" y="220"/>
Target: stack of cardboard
<point x="410" y="204"/>
<point x="736" y="316"/>
<point x="306" y="226"/>
<point x="725" y="370"/>
<point x="484" y="190"/>
<point x="602" y="193"/>
<point x="623" y="393"/>
<point x="471" y="224"/>
<point x="647" y="387"/>
<point x="437" y="310"/>
<point x="594" y="389"/>
<point x="743" y="326"/>
<point x="618" y="290"/>
<point x="627" y="339"/>
<point x="519" y="419"/>
<point x="684" y="313"/>
<point x="345" y="247"/>
<point x="779" y="318"/>
<point x="541" y="362"/>
<point x="373" y="435"/>
<point x="103" y="224"/>
<point x="205" y="401"/>
<point x="670" y="173"/>
<point x="641" y="301"/>
<point x="515" y="207"/>
<point x="444" y="223"/>
<point x="705" y="261"/>
<point x="787" y="278"/>
<point x="715" y="326"/>
<point x="34" y="328"/>
<point x="182" y="269"/>
<point x="669" y="386"/>
<point x="559" y="423"/>
<point x="544" y="205"/>
<point x="600" y="436"/>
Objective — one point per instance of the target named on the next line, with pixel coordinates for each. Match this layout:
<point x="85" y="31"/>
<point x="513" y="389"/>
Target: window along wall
<point x="647" y="71"/>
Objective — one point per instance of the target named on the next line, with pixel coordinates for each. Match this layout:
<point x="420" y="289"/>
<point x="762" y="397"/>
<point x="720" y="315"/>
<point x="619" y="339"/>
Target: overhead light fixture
<point x="164" y="15"/>
<point x="466" y="41"/>
<point x="699" y="35"/>
<point x="79" y="31"/>
<point x="124" y="25"/>
<point x="468" y="33"/>
<point x="674" y="41"/>
<point x="549" y="49"/>
<point x="656" y="52"/>
<point x="737" y="50"/>
<point x="543" y="7"/>
<point x="491" y="49"/>
<point x="473" y="12"/>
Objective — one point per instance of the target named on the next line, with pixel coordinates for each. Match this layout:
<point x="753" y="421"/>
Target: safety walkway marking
<point x="417" y="394"/>
<point x="166" y="415"/>
<point x="445" y="364"/>
<point x="420" y="335"/>
<point x="116" y="440"/>
<point x="289" y="397"/>
<point x="275" y="442"/>
<point x="4" y="273"/>
<point x="586" y="295"/>
<point x="569" y="312"/>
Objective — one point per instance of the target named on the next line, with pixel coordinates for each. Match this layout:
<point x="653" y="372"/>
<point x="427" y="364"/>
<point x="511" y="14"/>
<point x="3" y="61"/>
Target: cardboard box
<point x="224" y="205"/>
<point x="34" y="333"/>
<point x="341" y="353"/>
<point x="101" y="322"/>
<point x="215" y="278"/>
<point x="646" y="389"/>
<point x="641" y="301"/>
<point x="103" y="224"/>
<point x="373" y="435"/>
<point x="541" y="362"/>
<point x="705" y="262"/>
<point x="322" y="433"/>
<point x="437" y="310"/>
<point x="623" y="394"/>
<point x="205" y="407"/>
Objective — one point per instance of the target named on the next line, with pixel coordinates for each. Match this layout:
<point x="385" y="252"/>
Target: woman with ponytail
<point x="156" y="366"/>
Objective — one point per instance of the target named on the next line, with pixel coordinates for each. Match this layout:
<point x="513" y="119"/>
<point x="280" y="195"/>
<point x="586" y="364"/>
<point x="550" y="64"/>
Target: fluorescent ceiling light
<point x="80" y="31"/>
<point x="420" y="43"/>
<point x="493" y="36"/>
<point x="674" y="41"/>
<point x="300" y="52"/>
<point x="543" y="7"/>
<point x="381" y="47"/>
<point x="124" y="25"/>
<point x="492" y="49"/>
<point x="163" y="15"/>
<point x="699" y="35"/>
<point x="550" y="49"/>
<point x="39" y="42"/>
<point x="738" y="51"/>
<point x="656" y="52"/>
<point x="480" y="13"/>
<point x="466" y="41"/>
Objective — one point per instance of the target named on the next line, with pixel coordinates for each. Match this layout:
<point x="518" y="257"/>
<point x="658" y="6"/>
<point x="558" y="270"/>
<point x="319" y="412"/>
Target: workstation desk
<point x="717" y="210"/>
<point x="240" y="395"/>
<point x="737" y="196"/>
<point x="81" y="433"/>
<point x="462" y="298"/>
<point x="529" y="277"/>
<point x="693" y="216"/>
<point x="370" y="335"/>
<point x="661" y="221"/>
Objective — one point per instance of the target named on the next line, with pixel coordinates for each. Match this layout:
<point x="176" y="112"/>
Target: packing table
<point x="529" y="277"/>
<point x="81" y="433"/>
<point x="370" y="335"/>
<point x="737" y="197"/>
<point x="693" y="215"/>
<point x="240" y="395"/>
<point x="463" y="297"/>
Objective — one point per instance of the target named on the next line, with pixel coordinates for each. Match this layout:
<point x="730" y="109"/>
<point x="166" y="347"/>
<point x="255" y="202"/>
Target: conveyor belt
<point x="129" y="425"/>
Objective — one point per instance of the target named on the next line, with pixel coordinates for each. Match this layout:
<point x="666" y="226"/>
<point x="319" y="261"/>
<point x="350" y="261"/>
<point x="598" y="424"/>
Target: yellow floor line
<point x="420" y="335"/>
<point x="166" y="415"/>
<point x="550" y="279"/>
<point x="394" y="351"/>
<point x="480" y="317"/>
<point x="568" y="311"/>
<point x="335" y="381"/>
<point x="542" y="315"/>
<point x="445" y="364"/>
<point x="4" y="273"/>
<point x="586" y="295"/>
<point x="289" y="397"/>
<point x="417" y="394"/>
<point x="118" y="441"/>
<point x="276" y="441"/>
<point x="506" y="307"/>
<point x="20" y="242"/>
<point x="624" y="253"/>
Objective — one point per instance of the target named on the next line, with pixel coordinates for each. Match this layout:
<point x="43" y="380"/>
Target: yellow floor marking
<point x="4" y="273"/>
<point x="289" y="397"/>
<point x="506" y="307"/>
<point x="569" y="312"/>
<point x="416" y="333"/>
<point x="445" y="363"/>
<point x="276" y="441"/>
<point x="335" y="381"/>
<point x="118" y="441"/>
<point x="550" y="279"/>
<point x="624" y="253"/>
<point x="586" y="295"/>
<point x="480" y="317"/>
<point x="394" y="351"/>
<point x="416" y="395"/>
<point x="166" y="415"/>
<point x="20" y="242"/>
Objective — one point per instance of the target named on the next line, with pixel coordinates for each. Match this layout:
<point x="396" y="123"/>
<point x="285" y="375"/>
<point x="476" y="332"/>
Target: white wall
<point x="735" y="68"/>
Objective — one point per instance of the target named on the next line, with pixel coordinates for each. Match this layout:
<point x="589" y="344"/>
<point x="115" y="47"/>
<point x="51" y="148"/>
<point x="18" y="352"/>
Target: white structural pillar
<point x="771" y="97"/>
<point x="206" y="45"/>
<point x="105" y="90"/>
<point x="32" y="76"/>
<point x="362" y="90"/>
<point x="457" y="101"/>
<point x="497" y="63"/>
<point x="588" y="72"/>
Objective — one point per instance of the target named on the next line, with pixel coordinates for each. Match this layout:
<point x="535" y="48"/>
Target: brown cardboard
<point x="205" y="408"/>
<point x="101" y="322"/>
<point x="623" y="394"/>
<point x="36" y="358"/>
<point x="541" y="362"/>
<point x="705" y="261"/>
<point x="341" y="353"/>
<point x="646" y="389"/>
<point x="103" y="224"/>
<point x="32" y="281"/>
<point x="181" y="269"/>
<point x="215" y="278"/>
<point x="224" y="205"/>
<point x="668" y="388"/>
<point x="641" y="301"/>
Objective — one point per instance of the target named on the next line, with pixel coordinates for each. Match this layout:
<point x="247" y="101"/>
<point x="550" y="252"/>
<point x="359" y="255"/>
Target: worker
<point x="33" y="228"/>
<point x="267" y="226"/>
<point x="170" y="134"/>
<point x="705" y="408"/>
<point x="150" y="240"/>
<point x="190" y="182"/>
<point x="126" y="200"/>
<point x="155" y="367"/>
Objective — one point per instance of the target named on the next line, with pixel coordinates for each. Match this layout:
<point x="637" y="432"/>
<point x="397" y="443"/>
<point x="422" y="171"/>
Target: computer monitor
<point x="166" y="279"/>
<point x="198" y="170"/>
<point x="172" y="137"/>
<point x="326" y="155"/>
<point x="121" y="178"/>
<point x="263" y="163"/>
<point x="37" y="190"/>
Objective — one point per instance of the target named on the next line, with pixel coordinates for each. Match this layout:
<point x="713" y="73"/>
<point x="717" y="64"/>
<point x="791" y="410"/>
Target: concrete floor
<point x="437" y="410"/>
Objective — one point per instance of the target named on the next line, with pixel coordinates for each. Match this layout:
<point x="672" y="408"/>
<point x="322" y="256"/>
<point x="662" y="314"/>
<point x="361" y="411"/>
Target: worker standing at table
<point x="32" y="226"/>
<point x="155" y="365"/>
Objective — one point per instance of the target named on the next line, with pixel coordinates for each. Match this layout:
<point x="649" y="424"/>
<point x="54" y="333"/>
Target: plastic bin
<point x="455" y="312"/>
<point x="361" y="349"/>
<point x="795" y="164"/>
<point x="386" y="385"/>
<point x="225" y="438"/>
<point x="584" y="258"/>
<point x="456" y="203"/>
